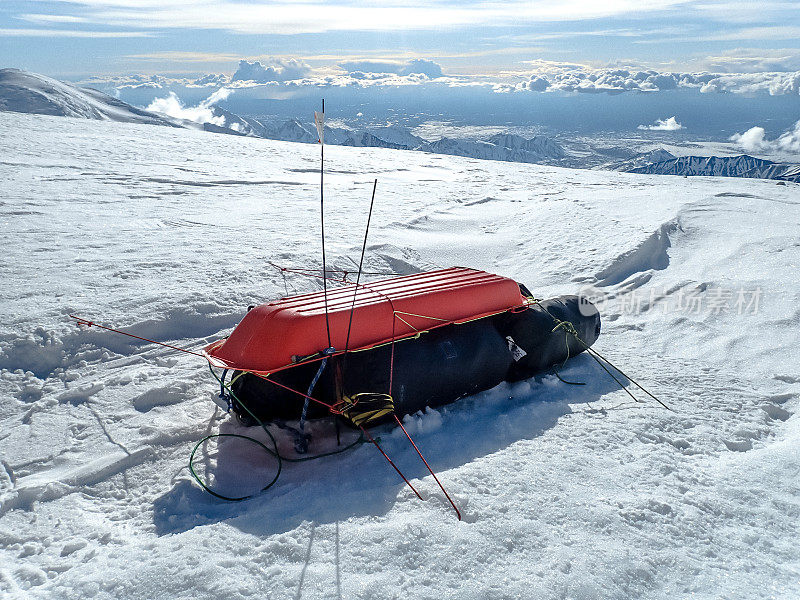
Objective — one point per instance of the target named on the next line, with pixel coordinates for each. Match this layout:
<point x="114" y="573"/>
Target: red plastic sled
<point x="274" y="336"/>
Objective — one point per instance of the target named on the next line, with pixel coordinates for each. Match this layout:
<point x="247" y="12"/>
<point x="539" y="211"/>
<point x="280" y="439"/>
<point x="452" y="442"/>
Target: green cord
<point x="599" y="358"/>
<point x="274" y="452"/>
<point x="236" y="435"/>
<point x="567" y="331"/>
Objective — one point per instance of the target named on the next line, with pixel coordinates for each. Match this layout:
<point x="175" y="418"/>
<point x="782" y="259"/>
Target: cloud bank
<point x="754" y="140"/>
<point x="292" y="74"/>
<point x="670" y="124"/>
<point x="419" y="66"/>
<point x="277" y="69"/>
<point x="576" y="78"/>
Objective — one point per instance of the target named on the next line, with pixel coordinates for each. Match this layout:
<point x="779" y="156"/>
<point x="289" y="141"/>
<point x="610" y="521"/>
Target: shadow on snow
<point x="360" y="482"/>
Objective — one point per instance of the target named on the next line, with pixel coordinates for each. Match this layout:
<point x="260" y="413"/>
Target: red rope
<point x="394" y="322"/>
<point x="309" y="273"/>
<point x="371" y="439"/>
<point x="87" y="323"/>
<point x="391" y="359"/>
<point x="458" y="513"/>
<point x="286" y="387"/>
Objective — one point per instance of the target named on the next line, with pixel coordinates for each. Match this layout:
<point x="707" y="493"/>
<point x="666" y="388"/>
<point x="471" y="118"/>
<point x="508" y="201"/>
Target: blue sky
<point x="716" y="68"/>
<point x="106" y="37"/>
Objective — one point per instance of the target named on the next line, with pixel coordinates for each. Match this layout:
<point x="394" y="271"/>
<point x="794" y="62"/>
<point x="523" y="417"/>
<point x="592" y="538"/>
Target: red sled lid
<point x="275" y="335"/>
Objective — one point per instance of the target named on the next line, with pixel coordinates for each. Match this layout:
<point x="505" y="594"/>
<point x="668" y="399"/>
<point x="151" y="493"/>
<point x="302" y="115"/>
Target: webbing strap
<point x="366" y="408"/>
<point x="222" y="394"/>
<point x="301" y="440"/>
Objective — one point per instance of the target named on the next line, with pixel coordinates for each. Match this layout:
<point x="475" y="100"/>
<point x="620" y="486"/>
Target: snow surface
<point x="567" y="491"/>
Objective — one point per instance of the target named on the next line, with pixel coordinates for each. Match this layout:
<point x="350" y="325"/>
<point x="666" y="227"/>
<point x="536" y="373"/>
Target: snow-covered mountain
<point x="642" y="159"/>
<point x="25" y="92"/>
<point x="721" y="166"/>
<point x="365" y="139"/>
<point x="540" y="145"/>
<point x="657" y="155"/>
<point x="292" y="131"/>
<point x="333" y="135"/>
<point x="396" y="134"/>
<point x="240" y="124"/>
<point x="505" y="147"/>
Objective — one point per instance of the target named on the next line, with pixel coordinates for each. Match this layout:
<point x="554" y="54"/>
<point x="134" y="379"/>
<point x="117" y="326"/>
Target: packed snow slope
<point x="567" y="491"/>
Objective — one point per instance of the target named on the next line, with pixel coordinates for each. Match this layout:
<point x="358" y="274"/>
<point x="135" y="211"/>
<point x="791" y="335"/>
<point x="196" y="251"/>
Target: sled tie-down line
<point x="359" y="409"/>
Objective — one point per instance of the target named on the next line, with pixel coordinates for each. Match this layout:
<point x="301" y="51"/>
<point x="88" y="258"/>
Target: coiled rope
<point x="272" y="451"/>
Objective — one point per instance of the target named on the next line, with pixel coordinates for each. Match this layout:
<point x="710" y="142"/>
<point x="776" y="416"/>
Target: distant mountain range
<point x="25" y="92"/>
<point x="720" y="166"/>
<point x="21" y="91"/>
<point x="506" y="147"/>
<point x="640" y="160"/>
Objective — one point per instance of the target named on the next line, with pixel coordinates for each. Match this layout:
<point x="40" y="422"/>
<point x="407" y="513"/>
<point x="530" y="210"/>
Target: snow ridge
<point x="651" y="254"/>
<point x="29" y="93"/>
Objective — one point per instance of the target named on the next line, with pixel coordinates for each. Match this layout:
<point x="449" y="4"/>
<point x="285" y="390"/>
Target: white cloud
<point x="745" y="11"/>
<point x="283" y="17"/>
<point x="727" y="34"/>
<point x="536" y="84"/>
<point x="754" y="140"/>
<point x="212" y="79"/>
<point x="751" y="140"/>
<point x="172" y="106"/>
<point x="577" y="78"/>
<point x="754" y="60"/>
<point x="71" y="33"/>
<point x="37" y="18"/>
<point x="276" y="69"/>
<point x="180" y="56"/>
<point x="774" y="84"/>
<point x="790" y="141"/>
<point x="421" y="66"/>
<point x="670" y="124"/>
<point x="409" y="67"/>
<point x="218" y="96"/>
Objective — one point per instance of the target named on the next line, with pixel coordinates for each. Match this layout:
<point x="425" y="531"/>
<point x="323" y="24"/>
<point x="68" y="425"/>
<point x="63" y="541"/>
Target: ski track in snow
<point x="567" y="491"/>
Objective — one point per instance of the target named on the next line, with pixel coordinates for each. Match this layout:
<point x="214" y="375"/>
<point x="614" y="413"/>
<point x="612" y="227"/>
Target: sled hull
<point x="435" y="369"/>
<point x="279" y="334"/>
